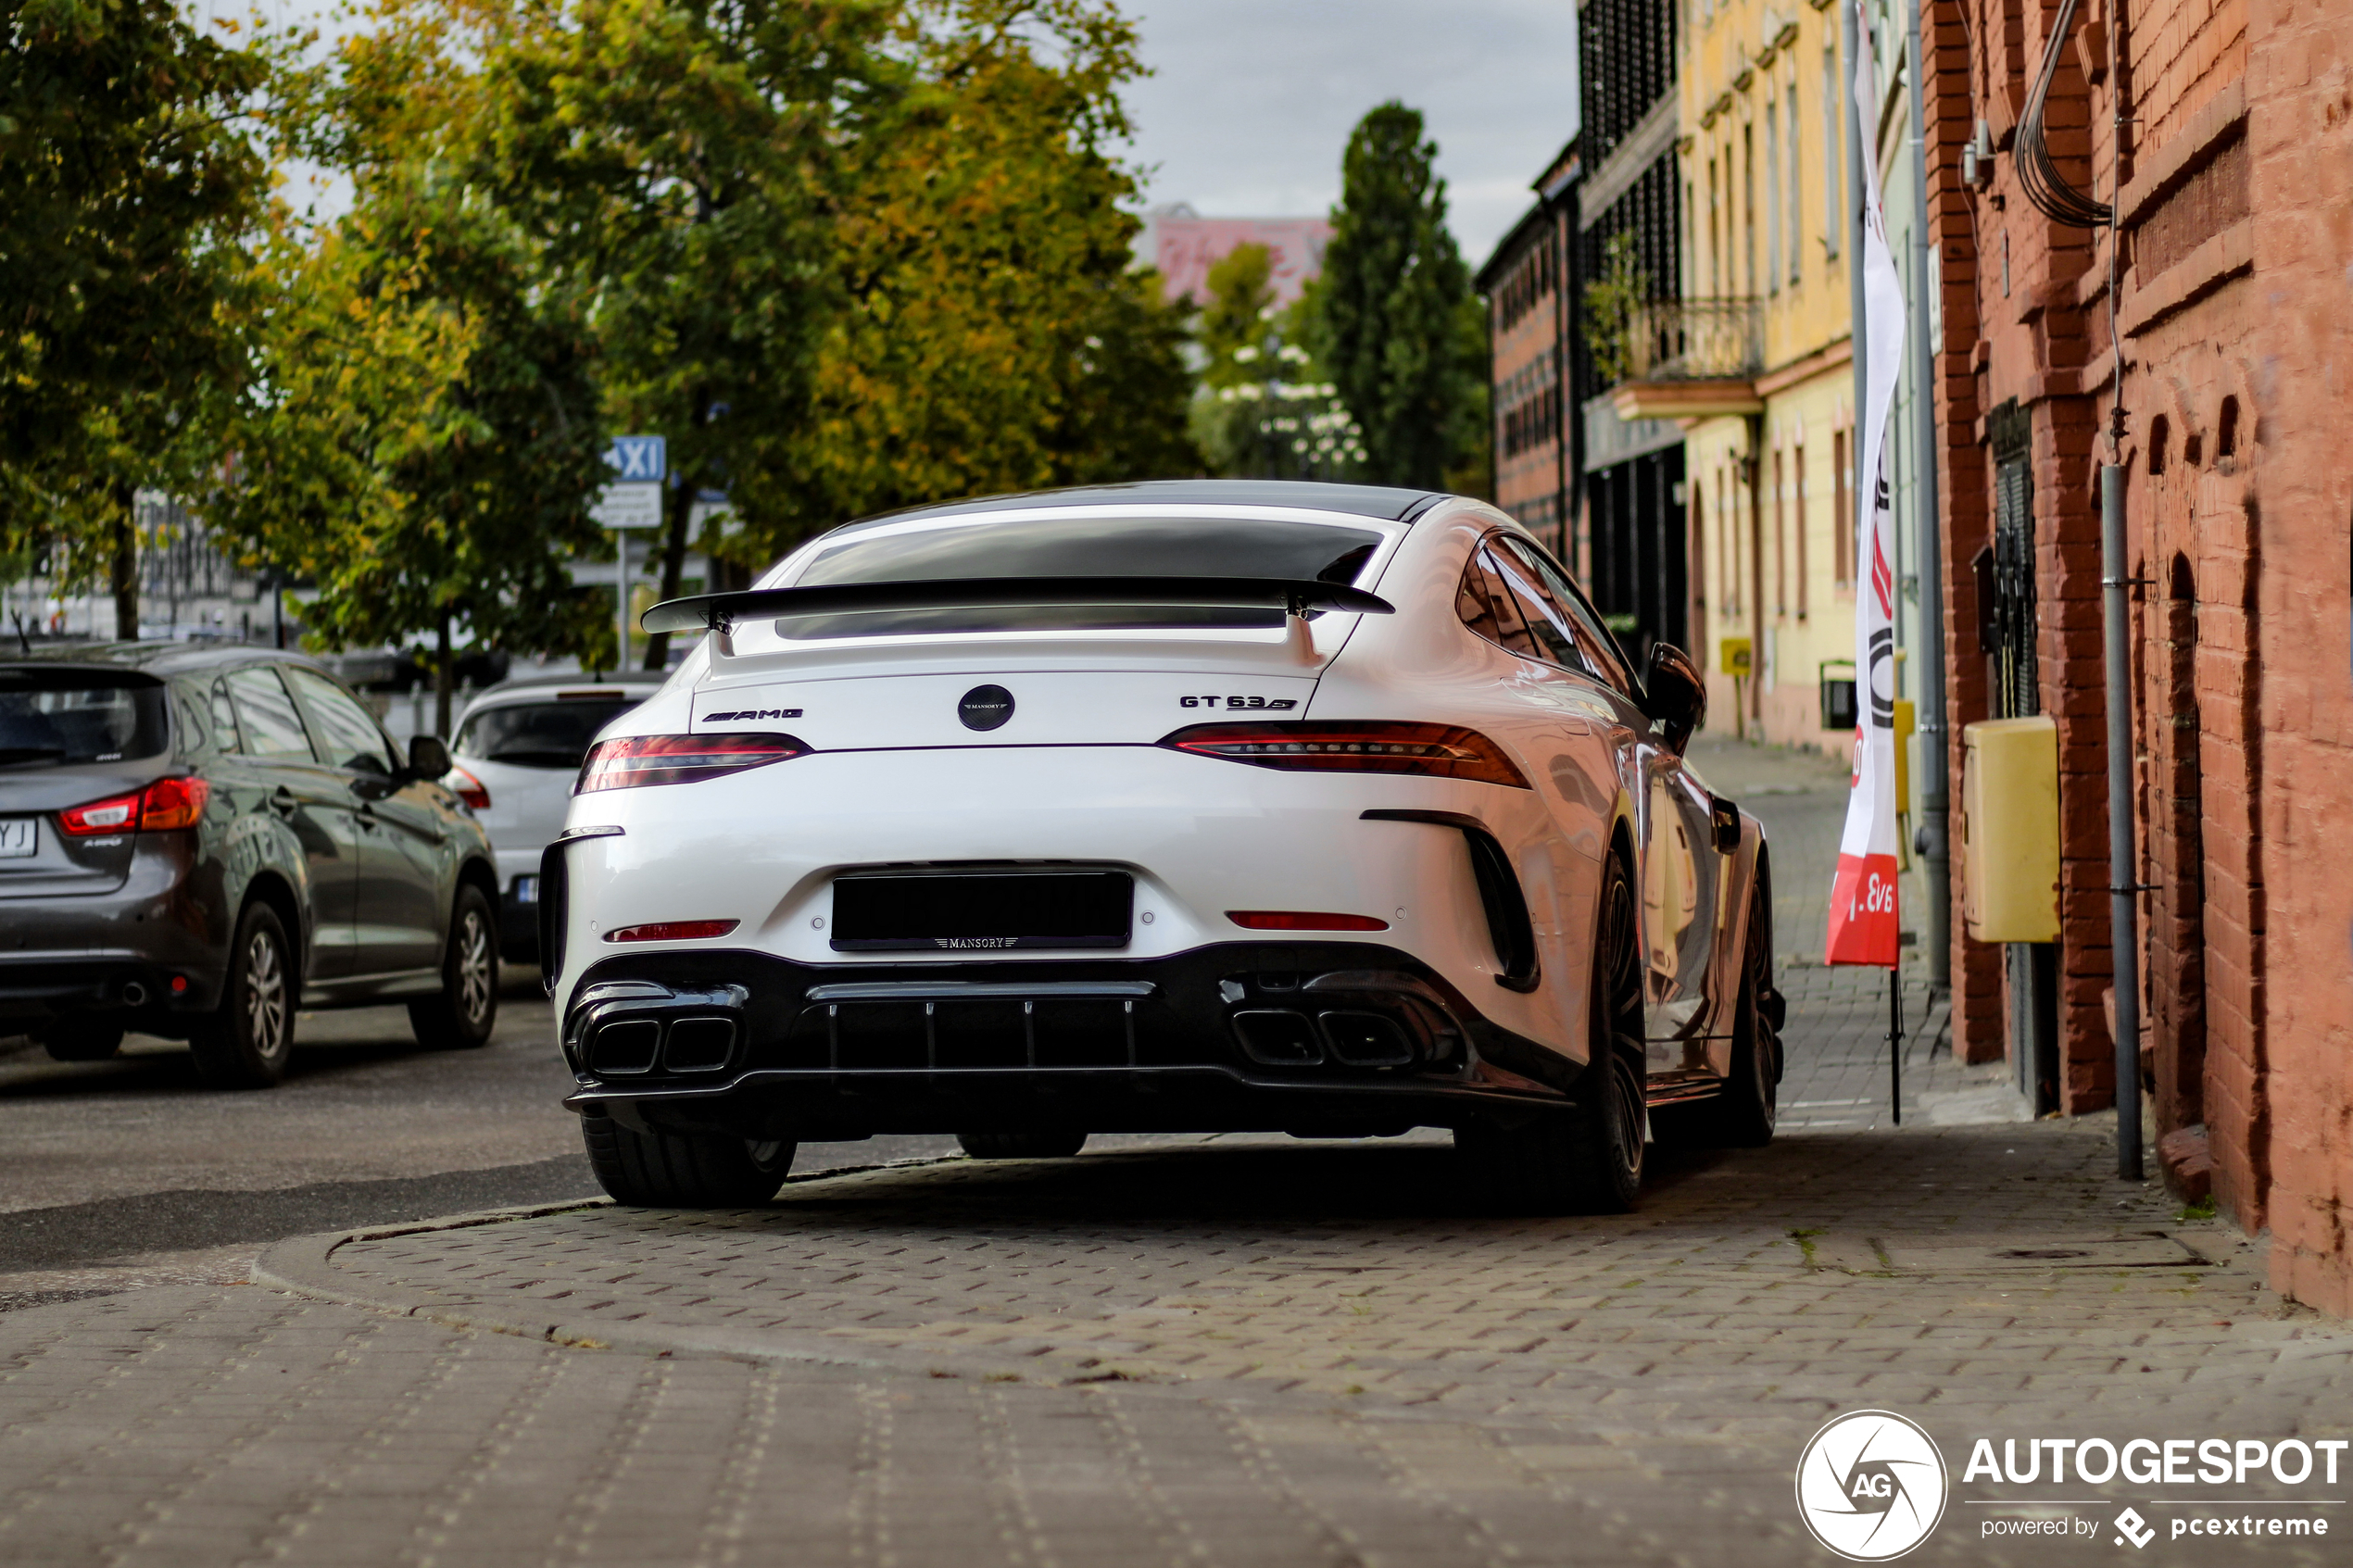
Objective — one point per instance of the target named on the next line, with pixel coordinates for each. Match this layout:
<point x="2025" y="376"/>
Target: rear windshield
<point x="538" y="734"/>
<point x="1077" y="546"/>
<point x="52" y="716"/>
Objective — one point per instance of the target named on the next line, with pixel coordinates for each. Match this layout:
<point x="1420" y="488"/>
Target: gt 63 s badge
<point x="1870" y="1485"/>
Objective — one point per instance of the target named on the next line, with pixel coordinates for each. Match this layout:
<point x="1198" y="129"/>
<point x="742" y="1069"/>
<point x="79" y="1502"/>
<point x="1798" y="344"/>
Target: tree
<point x="134" y="183"/>
<point x="1393" y="316"/>
<point x="423" y="441"/>
<point x="994" y="335"/>
<point x="1265" y="410"/>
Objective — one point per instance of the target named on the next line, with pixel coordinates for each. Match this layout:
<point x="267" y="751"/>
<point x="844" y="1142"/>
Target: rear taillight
<point x="469" y="788"/>
<point x="1302" y="919"/>
<point x="1444" y="751"/>
<point x="161" y="807"/>
<point x="663" y="760"/>
<point x="671" y="931"/>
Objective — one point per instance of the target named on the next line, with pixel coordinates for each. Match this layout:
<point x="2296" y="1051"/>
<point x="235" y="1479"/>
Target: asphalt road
<point x="133" y="1162"/>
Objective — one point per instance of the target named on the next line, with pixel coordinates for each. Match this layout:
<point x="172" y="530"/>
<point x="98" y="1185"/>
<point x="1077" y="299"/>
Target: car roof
<point x="633" y="687"/>
<point x="1351" y="500"/>
<point x="158" y="657"/>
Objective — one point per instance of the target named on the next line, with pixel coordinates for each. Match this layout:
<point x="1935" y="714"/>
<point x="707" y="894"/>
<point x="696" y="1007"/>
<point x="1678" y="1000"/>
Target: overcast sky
<point x="1252" y="100"/>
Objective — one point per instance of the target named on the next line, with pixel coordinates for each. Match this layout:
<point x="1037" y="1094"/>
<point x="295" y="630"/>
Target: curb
<point x="303" y="1266"/>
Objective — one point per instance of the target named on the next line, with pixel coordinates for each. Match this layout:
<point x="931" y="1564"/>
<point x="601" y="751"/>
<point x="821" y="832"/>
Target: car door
<point x="278" y="773"/>
<point x="1679" y="879"/>
<point x="396" y="908"/>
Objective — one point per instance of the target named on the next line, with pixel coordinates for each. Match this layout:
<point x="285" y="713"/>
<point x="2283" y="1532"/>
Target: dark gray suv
<point x="198" y="842"/>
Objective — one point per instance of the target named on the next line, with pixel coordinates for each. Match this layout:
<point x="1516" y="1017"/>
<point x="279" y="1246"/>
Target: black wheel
<point x="462" y="1016"/>
<point x="1587" y="1159"/>
<point x="79" y="1039"/>
<point x="1021" y="1146"/>
<point x="1743" y="1115"/>
<point x="1751" y="1101"/>
<point x="658" y="1169"/>
<point x="246" y="1042"/>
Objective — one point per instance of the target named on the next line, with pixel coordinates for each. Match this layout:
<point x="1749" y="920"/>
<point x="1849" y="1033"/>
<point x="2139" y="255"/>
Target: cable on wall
<point x="2038" y="176"/>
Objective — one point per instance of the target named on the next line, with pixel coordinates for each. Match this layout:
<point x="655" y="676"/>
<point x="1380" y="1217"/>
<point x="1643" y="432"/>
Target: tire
<point x="247" y="1042"/>
<point x="658" y="1169"/>
<point x="467" y="1010"/>
<point x="1751" y="1102"/>
<point x="1588" y="1158"/>
<point x="1021" y="1146"/>
<point x="79" y="1039"/>
<point x="1743" y="1114"/>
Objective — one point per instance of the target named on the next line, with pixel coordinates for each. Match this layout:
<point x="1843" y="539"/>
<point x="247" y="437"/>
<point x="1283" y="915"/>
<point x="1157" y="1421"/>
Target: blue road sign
<point x="638" y="458"/>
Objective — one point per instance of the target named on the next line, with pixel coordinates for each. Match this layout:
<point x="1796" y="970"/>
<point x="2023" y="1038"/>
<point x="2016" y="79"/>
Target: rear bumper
<point x="120" y="953"/>
<point x="1235" y="1037"/>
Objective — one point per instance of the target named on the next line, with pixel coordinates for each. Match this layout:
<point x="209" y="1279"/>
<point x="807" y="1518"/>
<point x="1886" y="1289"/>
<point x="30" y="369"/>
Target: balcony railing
<point x="1696" y="340"/>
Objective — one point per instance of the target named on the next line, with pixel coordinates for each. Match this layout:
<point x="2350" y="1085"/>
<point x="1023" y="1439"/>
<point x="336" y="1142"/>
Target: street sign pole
<point x="620" y="600"/>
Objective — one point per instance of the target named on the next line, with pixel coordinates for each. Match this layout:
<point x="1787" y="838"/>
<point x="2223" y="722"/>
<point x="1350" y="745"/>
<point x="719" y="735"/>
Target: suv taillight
<point x="633" y="760"/>
<point x="161" y="807"/>
<point x="1380" y="746"/>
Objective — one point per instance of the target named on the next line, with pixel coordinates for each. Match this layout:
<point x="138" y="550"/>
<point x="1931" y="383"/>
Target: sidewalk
<point x="1227" y="1351"/>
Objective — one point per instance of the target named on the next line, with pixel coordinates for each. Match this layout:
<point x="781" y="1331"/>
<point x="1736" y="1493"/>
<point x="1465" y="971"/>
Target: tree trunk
<point x="444" y="677"/>
<point x="122" y="565"/>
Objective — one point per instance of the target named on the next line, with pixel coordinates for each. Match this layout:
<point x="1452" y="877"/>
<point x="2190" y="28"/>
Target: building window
<point x="1772" y="197"/>
<point x="1780" y="546"/>
<point x="1842" y="525"/>
<point x="1805" y="526"/>
<point x="1833" y="210"/>
<point x="1796" y="190"/>
<point x="1714" y="253"/>
<point x="1748" y="205"/>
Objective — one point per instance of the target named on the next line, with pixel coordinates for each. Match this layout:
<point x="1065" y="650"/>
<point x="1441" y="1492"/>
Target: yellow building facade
<point x="1755" y="362"/>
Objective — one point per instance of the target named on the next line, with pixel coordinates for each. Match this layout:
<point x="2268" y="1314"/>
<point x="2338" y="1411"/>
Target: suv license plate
<point x="526" y="890"/>
<point x="20" y="837"/>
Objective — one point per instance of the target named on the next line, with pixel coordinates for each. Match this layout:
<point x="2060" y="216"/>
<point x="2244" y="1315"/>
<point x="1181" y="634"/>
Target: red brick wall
<point x="2298" y="499"/>
<point x="2234" y="307"/>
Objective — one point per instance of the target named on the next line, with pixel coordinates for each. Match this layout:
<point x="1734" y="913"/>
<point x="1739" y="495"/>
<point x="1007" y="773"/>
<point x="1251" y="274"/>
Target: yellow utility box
<point x="1905" y="815"/>
<point x="1734" y="656"/>
<point x="2010" y="830"/>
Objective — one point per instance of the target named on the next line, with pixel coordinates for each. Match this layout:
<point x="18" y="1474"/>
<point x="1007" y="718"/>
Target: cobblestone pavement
<point x="1261" y="1353"/>
<point x="1233" y="1351"/>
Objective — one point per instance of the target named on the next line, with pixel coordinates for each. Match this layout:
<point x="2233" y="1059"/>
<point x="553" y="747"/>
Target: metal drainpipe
<point x="1932" y="842"/>
<point x="2124" y="932"/>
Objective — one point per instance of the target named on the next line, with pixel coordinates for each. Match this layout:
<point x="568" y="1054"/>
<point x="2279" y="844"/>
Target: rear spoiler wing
<point x="723" y="612"/>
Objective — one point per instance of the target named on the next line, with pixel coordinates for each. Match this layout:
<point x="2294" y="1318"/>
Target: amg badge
<point x="752" y="714"/>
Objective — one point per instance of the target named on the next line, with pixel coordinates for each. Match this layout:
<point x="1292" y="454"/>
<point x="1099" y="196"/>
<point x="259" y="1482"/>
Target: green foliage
<point x="993" y="334"/>
<point x="1265" y="410"/>
<point x="1394" y="319"/>
<point x="134" y="183"/>
<point x="1612" y="302"/>
<point x="423" y="441"/>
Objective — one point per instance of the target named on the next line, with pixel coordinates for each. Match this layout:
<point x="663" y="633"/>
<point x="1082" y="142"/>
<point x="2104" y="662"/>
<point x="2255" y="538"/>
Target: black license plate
<point x="981" y="911"/>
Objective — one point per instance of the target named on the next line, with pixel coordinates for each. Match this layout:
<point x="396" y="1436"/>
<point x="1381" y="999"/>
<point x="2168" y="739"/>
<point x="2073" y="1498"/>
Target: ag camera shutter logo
<point x="1871" y="1486"/>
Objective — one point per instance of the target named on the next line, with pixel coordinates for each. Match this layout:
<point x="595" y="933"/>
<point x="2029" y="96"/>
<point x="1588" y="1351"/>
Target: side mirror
<point x="428" y="757"/>
<point x="1673" y="695"/>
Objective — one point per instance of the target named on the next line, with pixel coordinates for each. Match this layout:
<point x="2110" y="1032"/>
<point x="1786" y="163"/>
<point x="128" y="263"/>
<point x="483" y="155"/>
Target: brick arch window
<point x="2193" y="450"/>
<point x="2159" y="430"/>
<point x="2226" y="430"/>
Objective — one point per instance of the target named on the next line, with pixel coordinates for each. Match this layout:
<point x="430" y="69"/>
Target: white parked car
<point x="1190" y="806"/>
<point x="517" y="754"/>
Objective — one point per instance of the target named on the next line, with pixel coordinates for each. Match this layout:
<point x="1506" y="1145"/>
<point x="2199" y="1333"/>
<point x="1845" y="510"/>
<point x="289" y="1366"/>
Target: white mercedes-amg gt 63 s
<point x="1198" y="805"/>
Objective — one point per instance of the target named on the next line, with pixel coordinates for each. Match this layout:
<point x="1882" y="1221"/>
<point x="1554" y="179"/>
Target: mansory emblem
<point x="985" y="707"/>
<point x="751" y="713"/>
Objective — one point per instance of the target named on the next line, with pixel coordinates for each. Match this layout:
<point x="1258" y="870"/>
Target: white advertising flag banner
<point x="1864" y="927"/>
